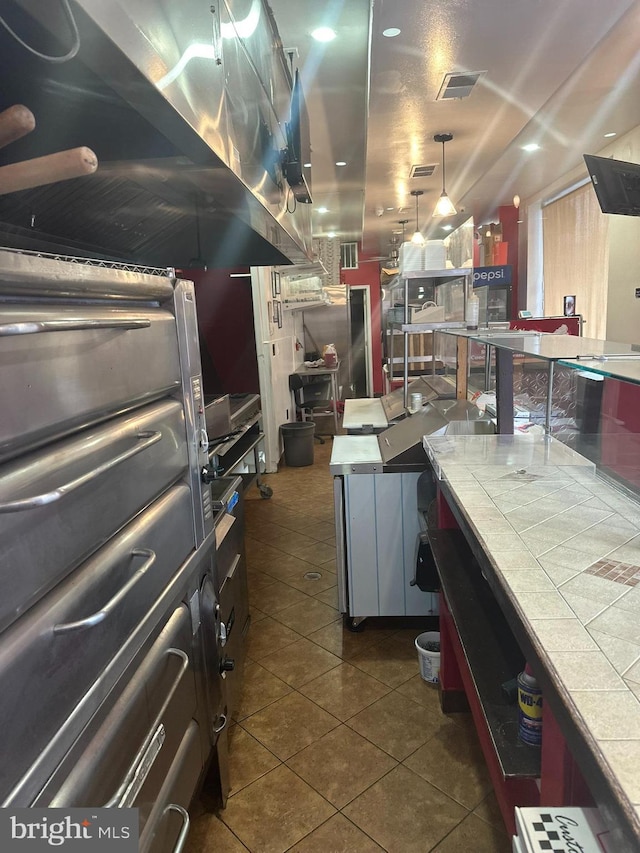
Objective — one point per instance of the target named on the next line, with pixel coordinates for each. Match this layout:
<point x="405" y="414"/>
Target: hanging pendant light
<point x="444" y="205"/>
<point x="417" y="239"/>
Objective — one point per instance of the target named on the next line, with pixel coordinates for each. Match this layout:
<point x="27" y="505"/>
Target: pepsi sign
<point x="487" y="276"/>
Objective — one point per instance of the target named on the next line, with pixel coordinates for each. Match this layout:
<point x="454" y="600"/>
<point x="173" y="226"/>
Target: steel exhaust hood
<point x="189" y="170"/>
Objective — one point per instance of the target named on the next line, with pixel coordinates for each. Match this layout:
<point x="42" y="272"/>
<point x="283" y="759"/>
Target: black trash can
<point x="298" y="443"/>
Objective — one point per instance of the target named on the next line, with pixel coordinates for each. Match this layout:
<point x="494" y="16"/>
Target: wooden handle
<point x="74" y="163"/>
<point x="15" y="122"/>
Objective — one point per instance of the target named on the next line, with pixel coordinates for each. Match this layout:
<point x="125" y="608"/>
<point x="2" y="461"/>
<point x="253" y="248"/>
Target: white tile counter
<point x="564" y="546"/>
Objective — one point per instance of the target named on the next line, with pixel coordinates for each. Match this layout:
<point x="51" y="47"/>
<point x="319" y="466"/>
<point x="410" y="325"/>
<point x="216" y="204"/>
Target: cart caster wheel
<point x="356" y="624"/>
<point x="265" y="492"/>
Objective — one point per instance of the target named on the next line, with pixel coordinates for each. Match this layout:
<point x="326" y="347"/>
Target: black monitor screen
<point x="298" y="143"/>
<point x="617" y="184"/>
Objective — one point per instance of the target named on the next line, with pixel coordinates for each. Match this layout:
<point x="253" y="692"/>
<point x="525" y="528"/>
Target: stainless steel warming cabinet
<point x="110" y="630"/>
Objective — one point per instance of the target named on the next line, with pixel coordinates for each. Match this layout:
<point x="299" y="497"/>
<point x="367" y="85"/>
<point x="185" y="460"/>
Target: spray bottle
<point x="472" y="312"/>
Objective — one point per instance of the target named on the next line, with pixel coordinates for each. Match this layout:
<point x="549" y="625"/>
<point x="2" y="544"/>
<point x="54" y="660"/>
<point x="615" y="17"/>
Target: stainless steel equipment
<point x="242" y="451"/>
<point x="110" y="625"/>
<point x="377" y="518"/>
<point x="217" y="412"/>
<point x="393" y="403"/>
<point x="231" y="583"/>
<point x="187" y="146"/>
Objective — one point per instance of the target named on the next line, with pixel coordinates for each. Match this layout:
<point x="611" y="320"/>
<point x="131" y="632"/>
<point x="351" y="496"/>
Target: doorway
<point x="360" y="340"/>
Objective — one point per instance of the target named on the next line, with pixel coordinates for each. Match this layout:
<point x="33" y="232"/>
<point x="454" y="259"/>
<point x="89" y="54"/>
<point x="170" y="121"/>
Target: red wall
<point x="227" y="337"/>
<point x="508" y="215"/>
<point x="368" y="274"/>
<point x="225" y="321"/>
<point x="620" y="426"/>
<point x="508" y="219"/>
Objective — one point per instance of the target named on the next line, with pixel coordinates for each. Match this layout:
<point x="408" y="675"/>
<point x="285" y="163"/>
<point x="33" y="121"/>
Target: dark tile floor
<point x="338" y="745"/>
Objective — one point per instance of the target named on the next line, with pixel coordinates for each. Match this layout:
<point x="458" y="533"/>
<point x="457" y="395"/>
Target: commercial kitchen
<point x="319" y="513"/>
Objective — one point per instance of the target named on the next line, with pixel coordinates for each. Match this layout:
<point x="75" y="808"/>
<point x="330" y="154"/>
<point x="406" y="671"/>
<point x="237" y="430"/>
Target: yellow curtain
<point x="576" y="258"/>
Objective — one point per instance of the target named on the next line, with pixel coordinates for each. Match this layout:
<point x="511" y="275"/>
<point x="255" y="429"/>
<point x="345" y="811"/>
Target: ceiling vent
<point x="458" y="85"/>
<point x="423" y="171"/>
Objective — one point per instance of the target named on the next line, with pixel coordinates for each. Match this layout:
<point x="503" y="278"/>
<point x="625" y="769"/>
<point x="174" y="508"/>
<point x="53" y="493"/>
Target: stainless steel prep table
<point x="376" y="517"/>
<point x="332" y="373"/>
<point x="364" y="415"/>
<point x="375" y="414"/>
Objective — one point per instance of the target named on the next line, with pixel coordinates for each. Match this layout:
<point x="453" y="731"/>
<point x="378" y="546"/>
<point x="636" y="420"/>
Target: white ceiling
<point x="561" y="73"/>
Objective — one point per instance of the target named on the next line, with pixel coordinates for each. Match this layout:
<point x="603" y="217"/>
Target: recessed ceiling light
<point x="447" y="227"/>
<point x="307" y="165"/>
<point x="322" y="210"/>
<point x="391" y="32"/>
<point x="531" y="146"/>
<point x="323" y="34"/>
<point x="341" y="163"/>
<point x="609" y="135"/>
<point x="391" y="208"/>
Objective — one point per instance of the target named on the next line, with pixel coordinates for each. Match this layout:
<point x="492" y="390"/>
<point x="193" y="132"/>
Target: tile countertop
<point x="565" y="548"/>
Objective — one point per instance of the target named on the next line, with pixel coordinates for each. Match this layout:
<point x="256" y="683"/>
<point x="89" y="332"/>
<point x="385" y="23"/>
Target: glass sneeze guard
<point x="583" y="391"/>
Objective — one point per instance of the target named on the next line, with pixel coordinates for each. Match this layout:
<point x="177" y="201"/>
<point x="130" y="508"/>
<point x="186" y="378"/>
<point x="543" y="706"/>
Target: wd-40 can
<point x="529" y="708"/>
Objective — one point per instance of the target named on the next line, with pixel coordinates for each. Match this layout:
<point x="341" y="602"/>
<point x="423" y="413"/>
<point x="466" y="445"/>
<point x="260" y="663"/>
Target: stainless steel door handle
<point x="100" y="615"/>
<point x="143" y="440"/>
<point x="78" y="325"/>
<point x="234" y="566"/>
<point x="222" y="722"/>
<point x="139" y="768"/>
<point x="185" y="825"/>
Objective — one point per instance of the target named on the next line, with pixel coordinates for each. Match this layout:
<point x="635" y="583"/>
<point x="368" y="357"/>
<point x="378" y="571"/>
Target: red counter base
<point x="561" y="783"/>
<point x="455" y="679"/>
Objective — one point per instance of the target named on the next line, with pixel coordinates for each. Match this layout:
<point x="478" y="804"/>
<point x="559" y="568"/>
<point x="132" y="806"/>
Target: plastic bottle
<point x="529" y="708"/>
<point x="472" y="312"/>
<point x="330" y="355"/>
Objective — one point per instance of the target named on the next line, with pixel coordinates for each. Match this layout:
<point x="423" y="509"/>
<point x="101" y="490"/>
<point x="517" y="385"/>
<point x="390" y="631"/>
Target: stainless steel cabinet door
<point x="65" y="368"/>
<point x="124" y="761"/>
<point x="234" y="611"/>
<point x="53" y="657"/>
<point x="59" y="505"/>
<point x="166" y="829"/>
<point x="381" y="525"/>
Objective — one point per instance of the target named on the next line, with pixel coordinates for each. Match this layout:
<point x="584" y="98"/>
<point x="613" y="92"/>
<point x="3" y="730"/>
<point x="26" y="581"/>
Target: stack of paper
<point x="434" y="255"/>
<point x="411" y="257"/>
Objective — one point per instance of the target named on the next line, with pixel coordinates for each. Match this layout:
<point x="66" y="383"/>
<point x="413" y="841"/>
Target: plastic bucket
<point x="298" y="443"/>
<point x="429" y="660"/>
